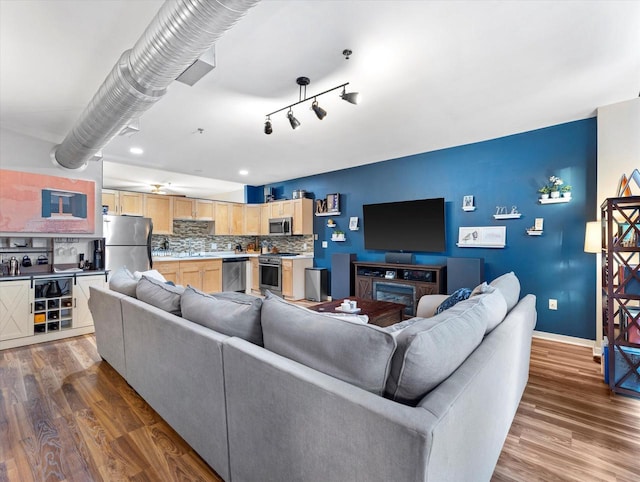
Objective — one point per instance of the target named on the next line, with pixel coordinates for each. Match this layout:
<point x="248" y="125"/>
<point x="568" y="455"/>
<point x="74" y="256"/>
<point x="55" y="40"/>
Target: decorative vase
<point x="555" y="194"/>
<point x="567" y="194"/>
<point x="544" y="196"/>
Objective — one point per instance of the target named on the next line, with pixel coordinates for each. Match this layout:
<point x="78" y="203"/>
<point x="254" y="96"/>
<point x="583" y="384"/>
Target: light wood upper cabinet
<point x="111" y="199"/>
<point x="252" y="214"/>
<point x="237" y="218"/>
<point x="222" y="217"/>
<point x="281" y="209"/>
<point x="123" y="202"/>
<point x="265" y="214"/>
<point x="302" y="216"/>
<point x="204" y="210"/>
<point x="132" y="203"/>
<point x="183" y="208"/>
<point x="160" y="209"/>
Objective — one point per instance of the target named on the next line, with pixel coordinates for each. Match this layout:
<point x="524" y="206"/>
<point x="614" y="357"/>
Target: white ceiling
<point x="433" y="74"/>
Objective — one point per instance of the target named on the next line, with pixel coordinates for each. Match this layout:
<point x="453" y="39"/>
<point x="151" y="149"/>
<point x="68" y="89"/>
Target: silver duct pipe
<point x="181" y="32"/>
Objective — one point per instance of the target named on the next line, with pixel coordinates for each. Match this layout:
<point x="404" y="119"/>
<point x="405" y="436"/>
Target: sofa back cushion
<point x="356" y="353"/>
<point x="232" y="314"/>
<point x="431" y="349"/>
<point x="123" y="282"/>
<point x="159" y="294"/>
<point x="509" y="286"/>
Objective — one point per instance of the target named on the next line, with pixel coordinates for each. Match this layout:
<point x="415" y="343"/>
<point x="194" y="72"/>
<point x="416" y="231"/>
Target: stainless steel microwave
<point x="280" y="226"/>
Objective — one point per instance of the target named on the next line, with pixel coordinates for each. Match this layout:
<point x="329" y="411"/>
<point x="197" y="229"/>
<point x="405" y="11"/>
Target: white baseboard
<point x="570" y="340"/>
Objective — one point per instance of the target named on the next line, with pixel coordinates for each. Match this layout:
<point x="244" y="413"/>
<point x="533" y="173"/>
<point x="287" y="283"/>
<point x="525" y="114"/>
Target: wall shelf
<point x="554" y="200"/>
<point x="327" y="214"/>
<point x="534" y="232"/>
<point x="468" y="208"/>
<point x="462" y="245"/>
<point x="507" y="216"/>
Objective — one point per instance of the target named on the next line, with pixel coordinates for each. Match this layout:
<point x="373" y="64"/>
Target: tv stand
<point x="399" y="283"/>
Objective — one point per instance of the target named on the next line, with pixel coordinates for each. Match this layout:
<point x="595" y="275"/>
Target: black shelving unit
<point x="621" y="292"/>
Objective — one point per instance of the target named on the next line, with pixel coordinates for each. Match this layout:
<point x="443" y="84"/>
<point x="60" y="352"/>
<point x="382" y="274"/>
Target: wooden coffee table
<point x="380" y="313"/>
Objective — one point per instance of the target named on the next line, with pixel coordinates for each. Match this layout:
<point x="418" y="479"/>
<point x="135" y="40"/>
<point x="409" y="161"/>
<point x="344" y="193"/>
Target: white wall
<point x="618" y="154"/>
<point x="19" y="152"/>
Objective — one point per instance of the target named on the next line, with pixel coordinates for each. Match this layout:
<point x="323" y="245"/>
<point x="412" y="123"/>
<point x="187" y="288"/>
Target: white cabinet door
<point x="15" y="314"/>
<point x="81" y="314"/>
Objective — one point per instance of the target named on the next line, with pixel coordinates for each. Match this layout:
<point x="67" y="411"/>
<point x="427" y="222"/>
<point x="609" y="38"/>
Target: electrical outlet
<point x="315" y="236"/>
<point x="553" y="304"/>
<point x="229" y="246"/>
<point x="214" y="246"/>
<point x="304" y="246"/>
<point x="325" y="244"/>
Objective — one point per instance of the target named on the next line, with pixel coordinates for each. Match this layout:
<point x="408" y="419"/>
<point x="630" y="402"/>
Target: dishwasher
<point x="234" y="274"/>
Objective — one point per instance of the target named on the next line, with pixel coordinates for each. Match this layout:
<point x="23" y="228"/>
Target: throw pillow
<point x="232" y="314"/>
<point x="123" y="282"/>
<point x="152" y="273"/>
<point x="509" y="286"/>
<point x="159" y="294"/>
<point x="481" y="289"/>
<point x="456" y="296"/>
<point x="356" y="353"/>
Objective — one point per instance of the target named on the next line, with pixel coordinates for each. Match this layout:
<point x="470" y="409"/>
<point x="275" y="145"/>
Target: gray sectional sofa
<point x="265" y="390"/>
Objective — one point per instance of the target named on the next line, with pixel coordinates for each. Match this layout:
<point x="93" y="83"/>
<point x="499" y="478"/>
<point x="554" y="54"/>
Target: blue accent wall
<point x="501" y="172"/>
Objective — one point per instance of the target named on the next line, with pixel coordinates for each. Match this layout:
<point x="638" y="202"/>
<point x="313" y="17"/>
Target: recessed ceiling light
<point x="136" y="150"/>
<point x="243" y="172"/>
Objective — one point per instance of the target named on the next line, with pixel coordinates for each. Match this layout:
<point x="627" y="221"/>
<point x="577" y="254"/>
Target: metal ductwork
<point x="179" y="34"/>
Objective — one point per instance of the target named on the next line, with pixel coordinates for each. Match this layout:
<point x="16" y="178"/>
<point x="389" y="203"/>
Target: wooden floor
<point x="66" y="415"/>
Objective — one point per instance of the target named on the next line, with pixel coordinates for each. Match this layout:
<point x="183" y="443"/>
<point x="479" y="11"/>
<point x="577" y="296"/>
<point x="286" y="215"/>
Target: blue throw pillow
<point x="457" y="295"/>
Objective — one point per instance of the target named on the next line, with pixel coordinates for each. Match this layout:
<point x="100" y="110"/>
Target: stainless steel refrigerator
<point x="127" y="242"/>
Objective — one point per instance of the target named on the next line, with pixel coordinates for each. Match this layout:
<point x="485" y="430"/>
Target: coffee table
<point x="380" y="313"/>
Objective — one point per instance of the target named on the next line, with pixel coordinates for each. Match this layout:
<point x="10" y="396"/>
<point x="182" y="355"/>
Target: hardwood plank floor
<point x="66" y="415"/>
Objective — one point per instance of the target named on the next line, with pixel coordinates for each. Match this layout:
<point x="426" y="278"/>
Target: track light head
<point x="351" y="97"/>
<point x="295" y="123"/>
<point x="320" y="112"/>
<point x="267" y="127"/>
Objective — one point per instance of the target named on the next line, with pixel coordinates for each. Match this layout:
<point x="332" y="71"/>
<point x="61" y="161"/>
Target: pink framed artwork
<point x="37" y="203"/>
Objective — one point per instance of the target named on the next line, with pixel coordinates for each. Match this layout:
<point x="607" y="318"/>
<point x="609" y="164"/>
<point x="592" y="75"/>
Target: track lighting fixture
<point x="320" y="112"/>
<point x="295" y="123"/>
<point x="351" y="97"/>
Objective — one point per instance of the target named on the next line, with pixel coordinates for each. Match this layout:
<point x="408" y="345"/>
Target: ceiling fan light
<point x="295" y="123"/>
<point x="351" y="97"/>
<point x="320" y="112"/>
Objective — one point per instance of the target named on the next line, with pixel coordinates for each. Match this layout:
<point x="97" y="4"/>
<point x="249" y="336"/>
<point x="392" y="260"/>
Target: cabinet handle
<point x="74" y="302"/>
<point x="31" y="308"/>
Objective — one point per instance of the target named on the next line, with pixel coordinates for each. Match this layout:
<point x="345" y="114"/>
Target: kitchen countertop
<point x="221" y="254"/>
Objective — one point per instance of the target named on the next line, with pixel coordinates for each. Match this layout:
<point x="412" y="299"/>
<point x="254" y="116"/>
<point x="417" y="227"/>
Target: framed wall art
<point x="482" y="237"/>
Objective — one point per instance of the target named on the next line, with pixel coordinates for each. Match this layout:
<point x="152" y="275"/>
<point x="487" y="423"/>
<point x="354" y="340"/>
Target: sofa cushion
<point x="431" y="349"/>
<point x="356" y="353"/>
<point x="509" y="286"/>
<point x="123" y="282"/>
<point x="151" y="273"/>
<point x="458" y="295"/>
<point x="159" y="294"/>
<point x="232" y="314"/>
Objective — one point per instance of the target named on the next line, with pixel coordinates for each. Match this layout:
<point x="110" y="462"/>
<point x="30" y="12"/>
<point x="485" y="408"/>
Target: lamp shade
<point x="295" y="123"/>
<point x="593" y="237"/>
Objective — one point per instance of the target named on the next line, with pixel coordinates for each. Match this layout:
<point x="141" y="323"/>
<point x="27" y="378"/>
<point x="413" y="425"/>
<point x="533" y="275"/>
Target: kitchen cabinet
<point x="252" y="213"/>
<point x="237" y="218"/>
<point x="15" y="310"/>
<point x="255" y="276"/>
<point x="302" y="216"/>
<point x="265" y="214"/>
<point x="193" y="209"/>
<point x="123" y="202"/>
<point x="81" y="313"/>
<point x="281" y="209"/>
<point x="160" y="209"/>
<point x="204" y="275"/>
<point x="169" y="269"/>
<point x="222" y="218"/>
<point x="293" y="277"/>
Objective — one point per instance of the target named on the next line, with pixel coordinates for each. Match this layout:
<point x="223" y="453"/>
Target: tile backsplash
<point x="194" y="236"/>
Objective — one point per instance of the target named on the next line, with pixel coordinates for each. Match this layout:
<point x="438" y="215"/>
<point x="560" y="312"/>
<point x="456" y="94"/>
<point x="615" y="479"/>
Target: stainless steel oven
<point x="270" y="269"/>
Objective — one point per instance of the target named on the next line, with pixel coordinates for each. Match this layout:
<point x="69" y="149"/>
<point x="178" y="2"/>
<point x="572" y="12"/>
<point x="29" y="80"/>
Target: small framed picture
<point x="538" y="224"/>
<point x="390" y="274"/>
<point x="467" y="201"/>
<point x="353" y="223"/>
<point x="333" y="203"/>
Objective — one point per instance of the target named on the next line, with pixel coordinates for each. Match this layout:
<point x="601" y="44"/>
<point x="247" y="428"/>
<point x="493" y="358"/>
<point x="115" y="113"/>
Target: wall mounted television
<point x="417" y="225"/>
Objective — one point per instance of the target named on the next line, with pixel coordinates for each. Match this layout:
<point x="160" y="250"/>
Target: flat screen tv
<point x="405" y="226"/>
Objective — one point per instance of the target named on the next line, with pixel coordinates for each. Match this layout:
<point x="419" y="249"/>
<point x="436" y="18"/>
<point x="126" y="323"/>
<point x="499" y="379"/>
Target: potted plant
<point x="555" y="184"/>
<point x="338" y="235"/>
<point x="566" y="190"/>
<point x="544" y="192"/>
